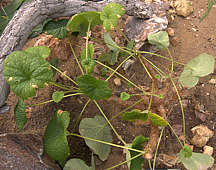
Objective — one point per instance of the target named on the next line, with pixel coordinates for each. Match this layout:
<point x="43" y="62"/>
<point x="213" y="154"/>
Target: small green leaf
<point x="86" y="59"/>
<point x="125" y="96"/>
<point x="56" y="28"/>
<point x="109" y="42"/>
<point x="57" y="96"/>
<point x="197" y="161"/>
<point x="134" y="115"/>
<point x="104" y="71"/>
<point x="93" y="88"/>
<point x="42" y="51"/>
<point x="160" y="39"/>
<point x="186" y="152"/>
<point x="111" y="14"/>
<point x="26" y="72"/>
<point x="199" y="66"/>
<point x="55" y="137"/>
<point x="76" y="164"/>
<point x="157" y="76"/>
<point x="160" y="96"/>
<point x="97" y="128"/>
<point x="20" y="114"/>
<point x="136" y="164"/>
<point x="81" y="21"/>
<point x="157" y="120"/>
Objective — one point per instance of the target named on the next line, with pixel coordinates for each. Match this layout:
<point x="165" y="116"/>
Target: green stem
<point x="149" y="162"/>
<point x="118" y="67"/>
<point x="172" y="61"/>
<point x="140" y="154"/>
<point x="155" y="155"/>
<point x="61" y="86"/>
<point x="182" y="110"/>
<point x="118" y="136"/>
<point x="173" y="131"/>
<point x="144" y="67"/>
<point x="80" y="115"/>
<point x="63" y="74"/>
<point x="107" y="143"/>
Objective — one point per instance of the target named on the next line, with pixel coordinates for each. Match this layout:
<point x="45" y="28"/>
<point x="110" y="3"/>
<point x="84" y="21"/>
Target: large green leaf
<point x="93" y="88"/>
<point x="160" y="39"/>
<point x="197" y="161"/>
<point x="136" y="164"/>
<point x="20" y="114"/>
<point x="56" y="28"/>
<point x="96" y="128"/>
<point x="55" y="137"/>
<point x="109" y="42"/>
<point x="199" y="66"/>
<point x="157" y="120"/>
<point x="111" y="14"/>
<point x="81" y="21"/>
<point x="42" y="51"/>
<point x="86" y="59"/>
<point x="26" y="72"/>
<point x="135" y="115"/>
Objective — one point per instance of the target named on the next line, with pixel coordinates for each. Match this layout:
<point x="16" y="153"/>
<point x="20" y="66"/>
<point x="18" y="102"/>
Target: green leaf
<point x="76" y="164"/>
<point x="38" y="29"/>
<point x="86" y="59"/>
<point x="20" y="114"/>
<point x="55" y="137"/>
<point x="111" y="14"/>
<point x="197" y="161"/>
<point x="136" y="164"/>
<point x="157" y="120"/>
<point x="135" y="114"/>
<point x="97" y="128"/>
<point x="160" y="39"/>
<point x="109" y="42"/>
<point x="26" y="72"/>
<point x="186" y="152"/>
<point x="93" y="88"/>
<point x="42" y="51"/>
<point x="157" y="76"/>
<point x="81" y="21"/>
<point x="125" y="96"/>
<point x="57" y="96"/>
<point x="56" y="28"/>
<point x="54" y="62"/>
<point x="199" y="66"/>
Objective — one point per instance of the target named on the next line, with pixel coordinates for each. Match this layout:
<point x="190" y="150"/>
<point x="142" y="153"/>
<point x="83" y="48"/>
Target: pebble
<point x="208" y="150"/>
<point x="117" y="82"/>
<point x="171" y="32"/>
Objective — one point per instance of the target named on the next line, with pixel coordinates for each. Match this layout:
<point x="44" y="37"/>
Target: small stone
<point x="117" y="82"/>
<point x="183" y="7"/>
<point x="128" y="64"/>
<point x="201" y="135"/>
<point x="212" y="81"/>
<point x="148" y="1"/>
<point x="208" y="150"/>
<point x="171" y="32"/>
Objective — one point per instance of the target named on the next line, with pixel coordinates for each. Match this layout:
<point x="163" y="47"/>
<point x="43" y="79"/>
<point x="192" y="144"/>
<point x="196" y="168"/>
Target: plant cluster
<point x="27" y="71"/>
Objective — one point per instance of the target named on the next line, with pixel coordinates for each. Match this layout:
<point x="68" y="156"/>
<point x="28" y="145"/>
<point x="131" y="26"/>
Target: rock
<point x="212" y="81"/>
<point x="183" y="7"/>
<point x="201" y="135"/>
<point x="23" y="151"/>
<point x="171" y="32"/>
<point x="117" y="82"/>
<point x="208" y="150"/>
<point x="128" y="64"/>
<point x="167" y="160"/>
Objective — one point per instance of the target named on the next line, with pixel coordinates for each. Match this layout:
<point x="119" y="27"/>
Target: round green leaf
<point x="58" y="96"/>
<point x="26" y="72"/>
<point x="56" y="28"/>
<point x="160" y="39"/>
<point x="111" y="14"/>
<point x="81" y="21"/>
<point x="157" y="120"/>
<point x="42" y="51"/>
<point x="186" y="152"/>
<point x="76" y="164"/>
<point x="125" y="96"/>
<point x="96" y="128"/>
<point x="20" y="114"/>
<point x="134" y="115"/>
<point x="201" y="65"/>
<point x="55" y="137"/>
<point x="93" y="88"/>
<point x="187" y="79"/>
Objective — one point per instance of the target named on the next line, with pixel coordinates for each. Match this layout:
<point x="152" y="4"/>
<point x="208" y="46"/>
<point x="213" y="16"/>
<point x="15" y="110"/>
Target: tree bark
<point x="31" y="14"/>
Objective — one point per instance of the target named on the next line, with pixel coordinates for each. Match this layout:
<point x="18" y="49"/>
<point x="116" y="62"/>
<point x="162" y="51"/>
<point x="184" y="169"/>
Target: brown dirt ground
<point x="190" y="43"/>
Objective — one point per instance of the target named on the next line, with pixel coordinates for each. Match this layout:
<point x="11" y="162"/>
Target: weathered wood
<point x="31" y="14"/>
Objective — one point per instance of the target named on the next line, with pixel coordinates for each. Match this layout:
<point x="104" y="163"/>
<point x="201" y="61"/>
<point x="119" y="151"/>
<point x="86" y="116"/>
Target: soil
<point x="192" y="38"/>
